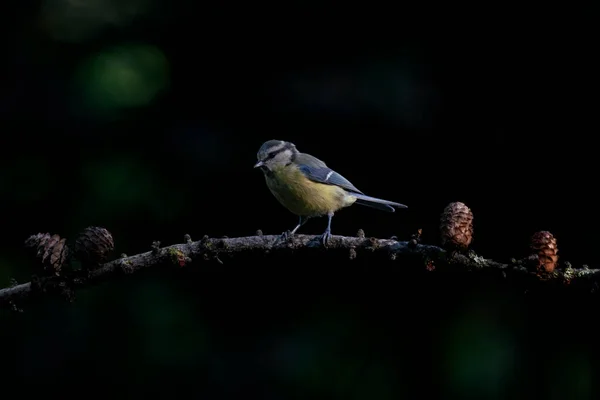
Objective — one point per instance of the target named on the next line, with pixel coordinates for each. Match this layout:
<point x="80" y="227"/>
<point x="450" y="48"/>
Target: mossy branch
<point x="401" y="253"/>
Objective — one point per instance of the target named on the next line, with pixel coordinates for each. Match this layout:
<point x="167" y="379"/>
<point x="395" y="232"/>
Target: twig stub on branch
<point x="197" y="253"/>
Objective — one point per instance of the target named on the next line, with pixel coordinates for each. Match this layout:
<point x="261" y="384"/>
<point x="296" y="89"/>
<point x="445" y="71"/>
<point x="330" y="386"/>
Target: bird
<point x="307" y="187"/>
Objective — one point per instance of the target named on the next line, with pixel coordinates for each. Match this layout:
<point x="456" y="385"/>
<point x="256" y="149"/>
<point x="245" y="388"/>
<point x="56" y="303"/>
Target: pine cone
<point x="93" y="246"/>
<point x="456" y="226"/>
<point x="51" y="250"/>
<point x="543" y="244"/>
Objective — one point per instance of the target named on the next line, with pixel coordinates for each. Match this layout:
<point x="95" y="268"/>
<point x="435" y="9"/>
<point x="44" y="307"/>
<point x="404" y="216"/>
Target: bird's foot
<point x="325" y="237"/>
<point x="286" y="236"/>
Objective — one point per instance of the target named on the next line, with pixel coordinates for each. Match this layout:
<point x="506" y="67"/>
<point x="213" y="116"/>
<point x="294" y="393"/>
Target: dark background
<point x="145" y="117"/>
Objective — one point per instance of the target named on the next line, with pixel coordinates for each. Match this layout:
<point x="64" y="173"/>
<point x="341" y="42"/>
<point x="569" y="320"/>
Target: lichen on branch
<point x="56" y="262"/>
<point x="222" y="250"/>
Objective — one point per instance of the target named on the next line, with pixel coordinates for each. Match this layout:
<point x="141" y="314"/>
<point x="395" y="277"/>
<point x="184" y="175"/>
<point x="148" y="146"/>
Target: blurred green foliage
<point x="481" y="356"/>
<point x="163" y="315"/>
<point x="117" y="184"/>
<point x="122" y="77"/>
<point x="122" y="186"/>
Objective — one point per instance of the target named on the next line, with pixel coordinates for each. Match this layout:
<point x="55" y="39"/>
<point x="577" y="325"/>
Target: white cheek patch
<point x="328" y="176"/>
<point x="284" y="156"/>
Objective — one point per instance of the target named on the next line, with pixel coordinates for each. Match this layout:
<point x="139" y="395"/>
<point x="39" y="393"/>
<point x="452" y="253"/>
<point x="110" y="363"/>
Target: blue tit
<point x="307" y="187"/>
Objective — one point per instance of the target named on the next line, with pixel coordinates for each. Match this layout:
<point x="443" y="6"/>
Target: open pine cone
<point x="456" y="226"/>
<point x="50" y="250"/>
<point x="543" y="244"/>
<point x="93" y="246"/>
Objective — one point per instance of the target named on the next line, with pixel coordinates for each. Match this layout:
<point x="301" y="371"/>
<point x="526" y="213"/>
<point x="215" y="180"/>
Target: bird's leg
<point x="327" y="234"/>
<point x="288" y="234"/>
<point x="301" y="222"/>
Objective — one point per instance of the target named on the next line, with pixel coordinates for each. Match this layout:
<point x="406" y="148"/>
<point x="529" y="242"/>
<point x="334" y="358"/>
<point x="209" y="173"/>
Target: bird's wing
<point x="316" y="170"/>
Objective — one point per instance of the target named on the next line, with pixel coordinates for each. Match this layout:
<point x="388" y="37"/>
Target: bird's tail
<point x="374" y="202"/>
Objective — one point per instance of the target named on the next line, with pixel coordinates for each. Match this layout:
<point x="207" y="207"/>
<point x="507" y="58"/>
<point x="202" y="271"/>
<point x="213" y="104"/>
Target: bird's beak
<point x="259" y="164"/>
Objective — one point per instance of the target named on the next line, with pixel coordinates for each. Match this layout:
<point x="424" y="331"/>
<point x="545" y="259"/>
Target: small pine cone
<point x="93" y="246"/>
<point x="51" y="250"/>
<point x="456" y="226"/>
<point x="543" y="244"/>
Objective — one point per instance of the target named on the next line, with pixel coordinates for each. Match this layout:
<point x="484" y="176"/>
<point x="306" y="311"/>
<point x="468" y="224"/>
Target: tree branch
<point x="429" y="258"/>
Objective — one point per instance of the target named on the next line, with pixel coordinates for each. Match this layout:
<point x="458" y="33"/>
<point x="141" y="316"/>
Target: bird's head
<point x="275" y="153"/>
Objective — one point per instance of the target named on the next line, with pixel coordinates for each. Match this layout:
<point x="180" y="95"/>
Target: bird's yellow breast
<point x="304" y="197"/>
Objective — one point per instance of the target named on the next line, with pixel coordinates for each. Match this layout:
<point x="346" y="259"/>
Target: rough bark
<point x="429" y="258"/>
